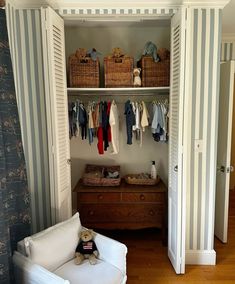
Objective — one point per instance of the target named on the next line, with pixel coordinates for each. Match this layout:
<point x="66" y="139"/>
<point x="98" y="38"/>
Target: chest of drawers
<point x="123" y="207"/>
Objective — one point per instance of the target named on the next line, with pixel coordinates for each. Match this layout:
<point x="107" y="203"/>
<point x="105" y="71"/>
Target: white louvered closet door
<point x="176" y="220"/>
<point x="57" y="114"/>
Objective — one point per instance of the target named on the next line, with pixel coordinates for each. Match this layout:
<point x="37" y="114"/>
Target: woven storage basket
<point x="134" y="179"/>
<point x="83" y="72"/>
<point x="118" y="71"/>
<point x="93" y="176"/>
<point x="154" y="74"/>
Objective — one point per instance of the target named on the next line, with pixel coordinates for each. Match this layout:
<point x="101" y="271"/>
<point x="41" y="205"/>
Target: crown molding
<point x="76" y="4"/>
<point x="228" y="37"/>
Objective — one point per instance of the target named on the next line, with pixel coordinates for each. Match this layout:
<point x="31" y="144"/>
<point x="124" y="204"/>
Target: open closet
<point x="130" y="34"/>
<point x="186" y="163"/>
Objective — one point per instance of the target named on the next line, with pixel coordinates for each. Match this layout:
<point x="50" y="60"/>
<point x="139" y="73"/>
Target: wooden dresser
<point x="123" y="207"/>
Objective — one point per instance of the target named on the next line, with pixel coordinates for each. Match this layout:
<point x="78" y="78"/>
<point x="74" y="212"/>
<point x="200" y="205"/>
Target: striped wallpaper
<point x="160" y="11"/>
<point x="203" y="67"/>
<point x="203" y="90"/>
<point x="227" y="51"/>
<point x="26" y="47"/>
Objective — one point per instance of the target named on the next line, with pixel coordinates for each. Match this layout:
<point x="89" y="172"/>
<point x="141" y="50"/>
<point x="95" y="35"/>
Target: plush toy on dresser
<point x="136" y="75"/>
<point x="86" y="248"/>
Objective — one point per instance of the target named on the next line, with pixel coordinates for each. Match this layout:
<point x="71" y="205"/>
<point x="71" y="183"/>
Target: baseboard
<point x="200" y="257"/>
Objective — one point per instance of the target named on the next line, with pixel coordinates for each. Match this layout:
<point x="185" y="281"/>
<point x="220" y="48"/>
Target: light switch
<point x="198" y="146"/>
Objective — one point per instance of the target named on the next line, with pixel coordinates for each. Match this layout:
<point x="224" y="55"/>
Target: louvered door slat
<point x="57" y="115"/>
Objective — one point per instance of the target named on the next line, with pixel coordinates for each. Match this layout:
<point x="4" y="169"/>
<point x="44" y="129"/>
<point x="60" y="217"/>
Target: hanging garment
<point x="145" y="116"/>
<point x="100" y="144"/>
<point x="83" y="121"/>
<point x="90" y="126"/>
<point x="77" y="118"/>
<point x="159" y="122"/>
<point x="114" y="124"/>
<point x="130" y="121"/>
<point x="72" y="120"/>
<point x="137" y="122"/>
<point x="105" y="125"/>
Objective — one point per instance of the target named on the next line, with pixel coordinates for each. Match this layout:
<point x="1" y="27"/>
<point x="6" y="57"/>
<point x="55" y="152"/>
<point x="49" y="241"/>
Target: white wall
<point x="131" y="39"/>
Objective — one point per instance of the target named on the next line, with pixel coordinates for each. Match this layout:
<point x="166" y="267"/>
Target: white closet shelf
<point x="119" y="91"/>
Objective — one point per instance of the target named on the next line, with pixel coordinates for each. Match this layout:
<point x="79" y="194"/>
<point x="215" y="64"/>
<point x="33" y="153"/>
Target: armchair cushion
<point x="56" y="245"/>
<point x="100" y="273"/>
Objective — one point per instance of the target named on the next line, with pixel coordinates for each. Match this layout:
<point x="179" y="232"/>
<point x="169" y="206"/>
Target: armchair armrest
<point x="111" y="251"/>
<point x="28" y="272"/>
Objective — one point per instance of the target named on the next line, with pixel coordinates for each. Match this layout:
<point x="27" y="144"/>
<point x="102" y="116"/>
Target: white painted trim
<point x="228" y="37"/>
<point x="197" y="130"/>
<point x="188" y="121"/>
<point x="213" y="148"/>
<point x="205" y="132"/>
<point x="200" y="257"/>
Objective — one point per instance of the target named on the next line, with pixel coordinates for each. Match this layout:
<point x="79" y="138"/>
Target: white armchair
<point x="48" y="258"/>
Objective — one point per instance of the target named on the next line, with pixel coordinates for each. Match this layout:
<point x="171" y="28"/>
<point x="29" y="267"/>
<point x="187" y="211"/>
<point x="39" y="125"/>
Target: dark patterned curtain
<point x="14" y="196"/>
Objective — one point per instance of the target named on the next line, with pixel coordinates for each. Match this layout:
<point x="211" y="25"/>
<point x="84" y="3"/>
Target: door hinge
<point x="180" y="260"/>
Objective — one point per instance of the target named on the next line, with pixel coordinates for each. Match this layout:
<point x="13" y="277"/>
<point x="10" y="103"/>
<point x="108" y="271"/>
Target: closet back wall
<point x="131" y="37"/>
<point x="132" y="158"/>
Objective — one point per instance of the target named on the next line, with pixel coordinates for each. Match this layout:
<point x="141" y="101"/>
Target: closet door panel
<point x="176" y="224"/>
<point x="57" y="114"/>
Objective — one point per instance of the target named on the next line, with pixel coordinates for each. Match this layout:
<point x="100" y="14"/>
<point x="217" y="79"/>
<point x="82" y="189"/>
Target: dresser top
<point x="123" y="187"/>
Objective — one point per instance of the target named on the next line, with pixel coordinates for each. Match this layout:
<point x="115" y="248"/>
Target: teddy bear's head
<point x="117" y="52"/>
<point x="136" y="71"/>
<point x="86" y="235"/>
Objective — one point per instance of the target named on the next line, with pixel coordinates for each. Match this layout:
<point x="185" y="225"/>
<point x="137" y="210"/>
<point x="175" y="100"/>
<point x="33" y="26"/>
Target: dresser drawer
<point x="98" y="197"/>
<point x="143" y="197"/>
<point x="120" y="213"/>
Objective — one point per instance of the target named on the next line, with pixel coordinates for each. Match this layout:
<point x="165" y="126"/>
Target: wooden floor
<point x="147" y="261"/>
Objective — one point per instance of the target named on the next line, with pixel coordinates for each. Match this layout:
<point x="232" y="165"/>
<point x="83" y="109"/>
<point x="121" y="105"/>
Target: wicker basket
<point x="94" y="176"/>
<point x="135" y="179"/>
<point x="154" y="74"/>
<point x="118" y="70"/>
<point x="83" y="72"/>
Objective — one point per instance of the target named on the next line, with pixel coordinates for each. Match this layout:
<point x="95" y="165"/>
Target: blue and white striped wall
<point x="26" y="50"/>
<point x="203" y="88"/>
<point x="202" y="69"/>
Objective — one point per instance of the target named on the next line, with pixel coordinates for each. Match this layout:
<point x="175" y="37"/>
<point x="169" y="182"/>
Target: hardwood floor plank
<point x="147" y="261"/>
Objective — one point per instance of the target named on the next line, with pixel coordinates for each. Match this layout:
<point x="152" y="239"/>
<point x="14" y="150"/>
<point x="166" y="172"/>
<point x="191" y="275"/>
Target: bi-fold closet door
<point x="57" y="114"/>
<point x="55" y="70"/>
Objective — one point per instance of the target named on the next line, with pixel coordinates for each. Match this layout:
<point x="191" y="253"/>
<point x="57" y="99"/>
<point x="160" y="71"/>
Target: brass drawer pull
<point x="142" y="197"/>
<point x="100" y="196"/>
<point x="91" y="213"/>
<point x="151" y="212"/>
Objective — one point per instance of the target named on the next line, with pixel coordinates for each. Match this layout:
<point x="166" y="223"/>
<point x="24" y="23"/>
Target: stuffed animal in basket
<point x="136" y="75"/>
<point x="86" y="248"/>
<point x="151" y="49"/>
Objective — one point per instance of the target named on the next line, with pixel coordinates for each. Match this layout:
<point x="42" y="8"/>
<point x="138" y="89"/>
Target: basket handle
<point x="118" y="60"/>
<point x="83" y="60"/>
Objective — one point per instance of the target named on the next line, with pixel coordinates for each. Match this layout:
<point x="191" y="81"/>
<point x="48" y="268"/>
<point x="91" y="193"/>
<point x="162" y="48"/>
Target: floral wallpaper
<point x="14" y="194"/>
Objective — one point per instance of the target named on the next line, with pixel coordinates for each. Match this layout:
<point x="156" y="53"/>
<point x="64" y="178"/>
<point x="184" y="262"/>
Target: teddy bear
<point x="136" y="75"/>
<point x="86" y="248"/>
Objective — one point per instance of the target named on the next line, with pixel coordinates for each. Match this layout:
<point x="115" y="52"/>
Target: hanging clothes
<point x="145" y="116"/>
<point x="91" y="130"/>
<point x="130" y="121"/>
<point x="83" y="121"/>
<point x="159" y="122"/>
<point x="100" y="144"/>
<point x="114" y="124"/>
